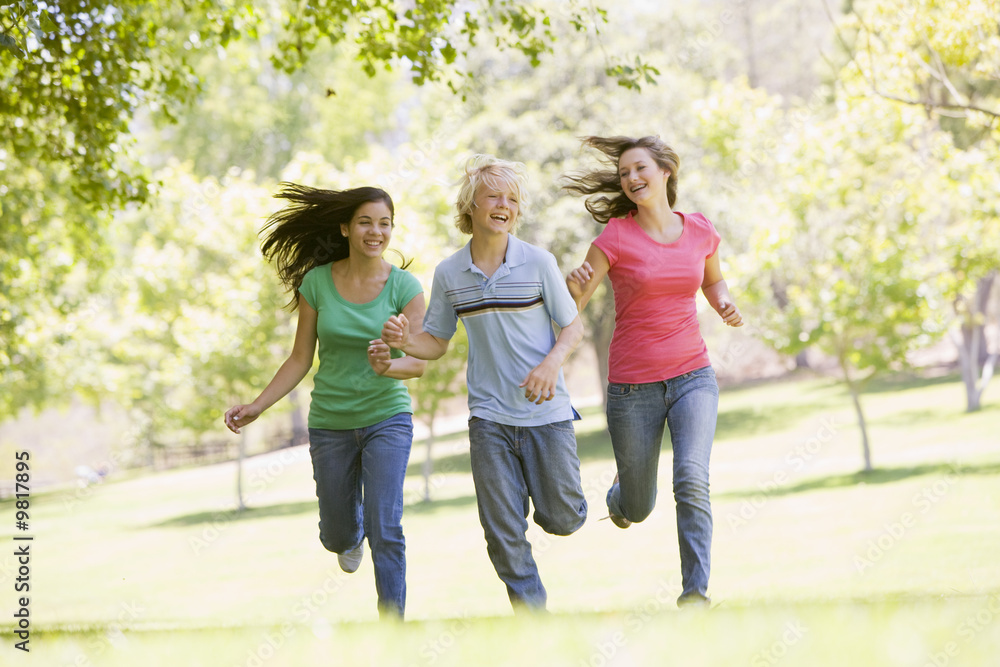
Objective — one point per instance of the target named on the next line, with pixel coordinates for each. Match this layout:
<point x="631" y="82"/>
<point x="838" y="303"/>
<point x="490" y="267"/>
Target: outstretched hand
<point x="730" y="314"/>
<point x="396" y="331"/>
<point x="540" y="384"/>
<point x="578" y="278"/>
<point x="241" y="415"/>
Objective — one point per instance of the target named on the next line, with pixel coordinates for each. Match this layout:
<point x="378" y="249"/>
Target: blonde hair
<point x="496" y="174"/>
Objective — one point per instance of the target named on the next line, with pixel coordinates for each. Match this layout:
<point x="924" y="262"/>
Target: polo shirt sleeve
<point x="440" y="320"/>
<point x="555" y="294"/>
<point x="608" y="241"/>
<point x="308" y="287"/>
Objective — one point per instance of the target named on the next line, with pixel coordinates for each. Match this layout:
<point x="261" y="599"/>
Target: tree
<point x="850" y="256"/>
<point x="946" y="63"/>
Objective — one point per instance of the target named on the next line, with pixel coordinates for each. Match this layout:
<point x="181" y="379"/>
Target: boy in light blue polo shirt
<point x="522" y="444"/>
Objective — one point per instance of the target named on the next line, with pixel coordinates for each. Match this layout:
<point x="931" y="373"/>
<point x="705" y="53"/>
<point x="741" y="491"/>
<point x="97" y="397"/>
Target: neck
<point x="654" y="214"/>
<point x="489" y="250"/>
<point x="364" y="267"/>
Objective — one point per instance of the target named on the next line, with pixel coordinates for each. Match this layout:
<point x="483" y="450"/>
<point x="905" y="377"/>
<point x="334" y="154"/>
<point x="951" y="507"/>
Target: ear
<point x="344" y="229"/>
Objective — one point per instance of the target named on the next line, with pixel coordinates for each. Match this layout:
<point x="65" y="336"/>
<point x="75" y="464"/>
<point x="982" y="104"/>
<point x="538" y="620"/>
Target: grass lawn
<point x="814" y="563"/>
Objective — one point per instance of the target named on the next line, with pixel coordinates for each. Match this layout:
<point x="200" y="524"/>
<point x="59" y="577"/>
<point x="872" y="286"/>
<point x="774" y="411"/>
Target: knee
<point x="692" y="490"/>
<point x="566" y="524"/>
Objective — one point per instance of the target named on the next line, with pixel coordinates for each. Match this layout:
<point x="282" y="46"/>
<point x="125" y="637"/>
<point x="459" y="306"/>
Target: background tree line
<point x="847" y="155"/>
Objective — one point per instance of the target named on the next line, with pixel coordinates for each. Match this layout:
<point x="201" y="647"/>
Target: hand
<point x="540" y="384"/>
<point x="379" y="356"/>
<point x="730" y="314"/>
<point x="396" y="331"/>
<point x="241" y="415"/>
<point x="578" y="279"/>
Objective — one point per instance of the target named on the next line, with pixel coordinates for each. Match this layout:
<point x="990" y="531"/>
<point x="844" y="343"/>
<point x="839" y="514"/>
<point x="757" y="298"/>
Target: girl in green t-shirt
<point x="327" y="247"/>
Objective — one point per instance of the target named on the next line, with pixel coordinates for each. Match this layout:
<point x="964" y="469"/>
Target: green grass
<point x="814" y="562"/>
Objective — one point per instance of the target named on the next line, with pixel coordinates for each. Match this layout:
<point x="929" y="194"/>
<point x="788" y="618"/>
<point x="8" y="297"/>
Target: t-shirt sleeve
<point x="607" y="241"/>
<point x="308" y="287"/>
<point x="555" y="294"/>
<point x="407" y="287"/>
<point x="714" y="238"/>
<point x="440" y="320"/>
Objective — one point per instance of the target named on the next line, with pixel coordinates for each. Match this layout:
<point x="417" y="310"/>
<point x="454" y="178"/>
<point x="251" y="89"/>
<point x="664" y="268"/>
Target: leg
<point x="692" y="418"/>
<point x="636" y="418"/>
<point x="385" y="453"/>
<point x="551" y="469"/>
<point x="336" y="458"/>
<point x="502" y="497"/>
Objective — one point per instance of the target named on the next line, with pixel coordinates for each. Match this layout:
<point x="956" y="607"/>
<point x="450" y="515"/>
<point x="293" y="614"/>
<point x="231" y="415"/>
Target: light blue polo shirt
<point x="508" y="317"/>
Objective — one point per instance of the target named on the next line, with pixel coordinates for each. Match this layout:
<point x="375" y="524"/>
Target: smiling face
<point x="369" y="230"/>
<point x="495" y="208"/>
<point x="642" y="179"/>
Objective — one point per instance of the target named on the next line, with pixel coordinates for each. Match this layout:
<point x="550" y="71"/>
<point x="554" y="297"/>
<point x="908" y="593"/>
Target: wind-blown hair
<point x="306" y="233"/>
<point x="605" y="181"/>
<point x="496" y="174"/>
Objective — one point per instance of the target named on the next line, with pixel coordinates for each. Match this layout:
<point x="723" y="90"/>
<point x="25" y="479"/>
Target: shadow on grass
<point x="904" y="381"/>
<point x="248" y="514"/>
<point x="432" y="506"/>
<point x="876" y="476"/>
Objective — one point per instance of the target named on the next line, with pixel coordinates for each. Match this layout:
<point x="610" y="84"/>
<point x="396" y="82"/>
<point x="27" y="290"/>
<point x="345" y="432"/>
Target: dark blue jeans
<point x="509" y="465"/>
<point x="359" y="483"/>
<point x="637" y="413"/>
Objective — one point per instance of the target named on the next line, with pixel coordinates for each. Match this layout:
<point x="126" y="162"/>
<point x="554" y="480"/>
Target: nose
<point x="503" y="201"/>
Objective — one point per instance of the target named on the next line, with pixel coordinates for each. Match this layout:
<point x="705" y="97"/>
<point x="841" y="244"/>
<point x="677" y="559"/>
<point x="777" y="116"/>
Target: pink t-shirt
<point x="656" y="319"/>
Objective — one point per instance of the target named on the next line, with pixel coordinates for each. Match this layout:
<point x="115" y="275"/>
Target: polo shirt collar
<point x="514" y="256"/>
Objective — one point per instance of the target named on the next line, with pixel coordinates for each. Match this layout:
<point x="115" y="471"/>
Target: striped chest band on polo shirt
<point x="470" y="301"/>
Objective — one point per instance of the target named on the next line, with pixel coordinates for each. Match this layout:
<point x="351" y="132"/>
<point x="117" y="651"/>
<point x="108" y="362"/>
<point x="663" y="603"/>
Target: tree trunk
<point x="601" y="323"/>
<point x="852" y="387"/>
<point x="976" y="362"/>
<point x="240" y="506"/>
<point x="428" y="461"/>
<point x="300" y="432"/>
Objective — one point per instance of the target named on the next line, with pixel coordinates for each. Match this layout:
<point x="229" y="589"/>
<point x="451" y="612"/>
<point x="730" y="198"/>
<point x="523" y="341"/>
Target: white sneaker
<point x="350" y="561"/>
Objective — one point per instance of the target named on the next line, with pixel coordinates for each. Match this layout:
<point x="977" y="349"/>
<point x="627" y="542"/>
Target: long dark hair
<point x="306" y="233"/>
<point x="605" y="181"/>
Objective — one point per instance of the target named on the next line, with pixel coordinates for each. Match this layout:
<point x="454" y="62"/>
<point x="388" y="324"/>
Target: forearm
<point x="286" y="379"/>
<point x="567" y="340"/>
<point x="425" y="346"/>
<point x="717" y="293"/>
<point x="405" y="368"/>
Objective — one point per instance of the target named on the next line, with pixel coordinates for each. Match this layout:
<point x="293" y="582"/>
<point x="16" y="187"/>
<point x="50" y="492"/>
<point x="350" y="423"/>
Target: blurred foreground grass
<point x="815" y="563"/>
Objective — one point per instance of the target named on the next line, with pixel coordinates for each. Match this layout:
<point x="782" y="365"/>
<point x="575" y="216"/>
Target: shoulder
<point x="699" y="221"/>
<point x="316" y="273"/>
<point x="402" y="276"/>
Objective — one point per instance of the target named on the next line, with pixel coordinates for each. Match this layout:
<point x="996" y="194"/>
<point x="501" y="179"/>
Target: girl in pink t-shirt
<point x="659" y="372"/>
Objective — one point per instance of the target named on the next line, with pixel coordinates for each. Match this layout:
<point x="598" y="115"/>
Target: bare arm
<point x="396" y="334"/>
<point x="402" y="368"/>
<point x="583" y="281"/>
<point x="717" y="292"/>
<point x="540" y="384"/>
<point x="288" y="376"/>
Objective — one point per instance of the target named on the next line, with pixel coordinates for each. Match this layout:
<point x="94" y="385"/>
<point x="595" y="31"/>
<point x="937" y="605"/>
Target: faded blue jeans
<point x="688" y="405"/>
<point x="509" y="465"/>
<point x="359" y="483"/>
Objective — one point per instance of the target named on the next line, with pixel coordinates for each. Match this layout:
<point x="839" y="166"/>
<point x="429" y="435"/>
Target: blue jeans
<point x="359" y="483"/>
<point x="509" y="465"/>
<point x="689" y="406"/>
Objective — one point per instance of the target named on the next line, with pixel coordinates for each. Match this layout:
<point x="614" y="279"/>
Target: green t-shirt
<point x="347" y="393"/>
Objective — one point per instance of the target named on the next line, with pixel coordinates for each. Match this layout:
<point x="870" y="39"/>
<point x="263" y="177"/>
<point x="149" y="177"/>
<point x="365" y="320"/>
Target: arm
<point x="540" y="383"/>
<point x="288" y="376"/>
<point x="717" y="292"/>
<point x="583" y="281"/>
<point x="396" y="334"/>
<point x="402" y="368"/>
